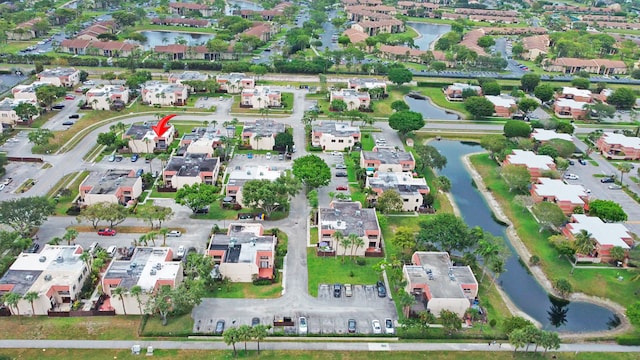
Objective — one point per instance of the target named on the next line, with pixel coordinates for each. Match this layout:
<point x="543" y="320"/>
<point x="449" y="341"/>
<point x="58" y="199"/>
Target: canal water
<point x="429" y="32"/>
<point x="428" y="110"/>
<point x="518" y="284"/>
<point x="155" y="38"/>
<point x="241" y="5"/>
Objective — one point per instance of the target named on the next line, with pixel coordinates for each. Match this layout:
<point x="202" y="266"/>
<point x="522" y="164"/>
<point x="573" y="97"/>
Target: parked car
<point x="249" y="156"/>
<point x="68" y="123"/>
<point x="302" y="325"/>
<point x="341" y="174"/>
<point x="614" y="187"/>
<point x="111" y="250"/>
<point x="570" y="176"/>
<point x="174" y="233"/>
<point x="74" y="116"/>
<point x="351" y="326"/>
<point x="70" y="97"/>
<point x="58" y="107"/>
<point x="255" y="321"/>
<point x="582" y="162"/>
<point x="204" y="210"/>
<point x="571" y="162"/>
<point x="139" y="172"/>
<point x="268" y="156"/>
<point x="341" y="166"/>
<point x="181" y="251"/>
<point x="33" y="248"/>
<point x="607" y="180"/>
<point x="119" y="158"/>
<point x="89" y="82"/>
<point x="107" y="232"/>
<point x="336" y="153"/>
<point x="219" y="327"/>
<point x="135" y="157"/>
<point x="348" y="290"/>
<point x="377" y="329"/>
<point x="388" y="326"/>
<point x="337" y="290"/>
<point x="112" y="158"/>
<point x="341" y="188"/>
<point x="382" y="290"/>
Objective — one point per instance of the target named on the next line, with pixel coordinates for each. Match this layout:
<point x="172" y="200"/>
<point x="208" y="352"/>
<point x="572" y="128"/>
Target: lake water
<point x="155" y="38"/>
<point x="429" y="33"/>
<point x="428" y="110"/>
<point x="518" y="284"/>
<point x="242" y="5"/>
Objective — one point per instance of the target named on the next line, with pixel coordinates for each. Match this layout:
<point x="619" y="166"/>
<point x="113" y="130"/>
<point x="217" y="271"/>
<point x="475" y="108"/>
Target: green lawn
<point x="64" y="202"/>
<point x="176" y="326"/>
<point x="313" y="235"/>
<point x="247" y="291"/>
<point x="367" y="141"/>
<point x="80" y="328"/>
<point x="330" y="270"/>
<point x="596" y="282"/>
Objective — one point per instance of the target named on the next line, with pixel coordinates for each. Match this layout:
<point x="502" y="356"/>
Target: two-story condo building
<point x="411" y="190"/>
<point x="334" y="136"/>
<point x="349" y="218"/>
<point x="116" y="186"/>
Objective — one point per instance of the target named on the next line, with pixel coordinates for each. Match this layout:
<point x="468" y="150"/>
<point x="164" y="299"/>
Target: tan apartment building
<point x="536" y="164"/>
<point x="261" y="134"/>
<point x="349" y="218"/>
<point x="191" y="169"/>
<point x="244" y="254"/>
<point x="234" y="83"/>
<point x="619" y="146"/>
<point x="150" y="268"/>
<point x="355" y="100"/>
<point x="411" y="189"/>
<point x="142" y="139"/>
<point x="334" y="136"/>
<point x="387" y="160"/>
<point x="67" y="77"/>
<point x="115" y="186"/>
<point x="108" y="97"/>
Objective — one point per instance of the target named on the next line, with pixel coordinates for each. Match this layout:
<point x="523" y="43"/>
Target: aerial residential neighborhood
<point x="344" y="178"/>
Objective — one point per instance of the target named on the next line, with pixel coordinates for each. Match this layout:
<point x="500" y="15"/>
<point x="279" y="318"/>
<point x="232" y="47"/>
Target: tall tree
<point x="196" y="196"/>
<point x="389" y="201"/>
<point x="31" y="297"/>
<point x="516" y="128"/>
<point x="259" y="333"/>
<point x="399" y="75"/>
<point x="270" y="195"/>
<point x="607" y="210"/>
<point x="624" y="168"/>
<point x="622" y="98"/>
<point x="517" y="177"/>
<point x="120" y="293"/>
<point x="428" y="157"/>
<point x="529" y="81"/>
<point x="24" y="214"/>
<point x="12" y="300"/>
<point x="231" y="337"/>
<point x="406" y="121"/>
<point x="495" y="144"/>
<point x="549" y="215"/>
<point x="40" y="137"/>
<point x="404" y="238"/>
<point x="479" y="106"/>
<point x="70" y="235"/>
<point x="312" y="171"/>
<point x="451" y="322"/>
<point x="544" y="92"/>
<point x="447" y="231"/>
<point x="584" y="243"/>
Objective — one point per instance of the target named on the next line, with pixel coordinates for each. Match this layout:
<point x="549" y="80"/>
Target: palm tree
<point x="136" y="291"/>
<point x="12" y="299"/>
<point x="624" y="168"/>
<point x="120" y="291"/>
<point x="55" y="241"/>
<point x="151" y="235"/>
<point x="345" y="243"/>
<point x="86" y="257"/>
<point x="231" y="337"/>
<point x="164" y="232"/>
<point x="584" y="243"/>
<point x="259" y="333"/>
<point x="32" y="296"/>
<point x="257" y="138"/>
<point x="337" y="236"/>
<point x="70" y="235"/>
<point x="163" y="162"/>
<point x="244" y="335"/>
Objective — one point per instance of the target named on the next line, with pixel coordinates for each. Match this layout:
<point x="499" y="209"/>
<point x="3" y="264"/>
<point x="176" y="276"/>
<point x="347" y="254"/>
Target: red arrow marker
<point x="162" y="127"/>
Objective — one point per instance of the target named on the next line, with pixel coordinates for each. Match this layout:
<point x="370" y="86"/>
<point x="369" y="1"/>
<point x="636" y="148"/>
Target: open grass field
<point x="596" y="282"/>
<point x="248" y="291"/>
<point x="180" y="326"/>
<point x="64" y="202"/>
<point x="329" y="270"/>
<point x="81" y="328"/>
<point x="56" y="354"/>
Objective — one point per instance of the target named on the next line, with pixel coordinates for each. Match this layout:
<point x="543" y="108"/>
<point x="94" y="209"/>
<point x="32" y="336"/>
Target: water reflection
<point x="429" y="33"/>
<point x="155" y="38"/>
<point x="558" y="311"/>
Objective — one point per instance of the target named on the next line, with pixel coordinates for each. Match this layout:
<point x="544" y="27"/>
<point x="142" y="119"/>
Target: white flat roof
<point x="579" y="105"/>
<point x="546" y="135"/>
<point x="460" y="86"/>
<point x="603" y="233"/>
<point x="530" y="159"/>
<point x="501" y="101"/>
<point x="567" y="90"/>
<point x="620" y="139"/>
<point x="560" y="190"/>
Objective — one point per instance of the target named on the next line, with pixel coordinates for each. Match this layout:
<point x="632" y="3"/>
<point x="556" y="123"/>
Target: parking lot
<point x="601" y="190"/>
<point x="336" y="182"/>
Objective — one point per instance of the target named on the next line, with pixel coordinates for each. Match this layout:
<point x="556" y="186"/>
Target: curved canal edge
<point x="537" y="272"/>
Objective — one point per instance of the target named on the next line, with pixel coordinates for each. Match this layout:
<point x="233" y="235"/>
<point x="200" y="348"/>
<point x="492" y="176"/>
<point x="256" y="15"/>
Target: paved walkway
<point x="299" y="345"/>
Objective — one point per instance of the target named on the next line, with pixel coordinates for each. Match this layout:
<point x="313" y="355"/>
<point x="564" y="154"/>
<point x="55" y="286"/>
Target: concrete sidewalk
<point x="291" y="345"/>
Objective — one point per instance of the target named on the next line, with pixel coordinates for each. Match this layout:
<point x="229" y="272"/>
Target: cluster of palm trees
<point x="135" y="291"/>
<point x="352" y="242"/>
<point x="152" y="236"/>
<point x="523" y="338"/>
<point x="12" y="299"/>
<point x="69" y="236"/>
<point x="245" y="333"/>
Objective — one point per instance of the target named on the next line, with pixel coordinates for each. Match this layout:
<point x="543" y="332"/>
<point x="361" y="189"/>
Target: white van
<point x="93" y="248"/>
<point x="111" y="250"/>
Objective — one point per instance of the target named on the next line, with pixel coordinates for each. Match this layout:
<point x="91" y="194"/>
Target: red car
<point x="341" y="187"/>
<point x="107" y="232"/>
<point x="70" y="97"/>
